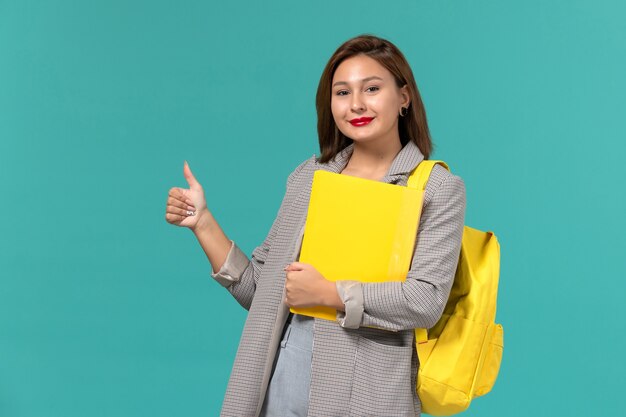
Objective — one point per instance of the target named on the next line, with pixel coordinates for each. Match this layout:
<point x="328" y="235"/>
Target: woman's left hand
<point x="305" y="286"/>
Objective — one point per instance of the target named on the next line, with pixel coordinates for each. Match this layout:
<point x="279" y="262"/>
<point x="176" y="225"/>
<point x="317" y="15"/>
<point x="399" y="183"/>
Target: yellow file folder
<point x="359" y="229"/>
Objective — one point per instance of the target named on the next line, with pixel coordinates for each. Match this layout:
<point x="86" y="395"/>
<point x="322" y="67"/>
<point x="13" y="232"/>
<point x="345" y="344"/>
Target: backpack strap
<point x="421" y="336"/>
<point x="421" y="173"/>
<point x="418" y="179"/>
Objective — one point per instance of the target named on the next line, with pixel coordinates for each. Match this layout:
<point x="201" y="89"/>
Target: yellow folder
<point x="359" y="229"/>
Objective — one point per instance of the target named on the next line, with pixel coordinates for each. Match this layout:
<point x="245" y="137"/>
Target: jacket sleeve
<point x="239" y="274"/>
<point x="419" y="301"/>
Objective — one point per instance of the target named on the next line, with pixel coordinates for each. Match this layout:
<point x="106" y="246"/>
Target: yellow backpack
<point x="460" y="356"/>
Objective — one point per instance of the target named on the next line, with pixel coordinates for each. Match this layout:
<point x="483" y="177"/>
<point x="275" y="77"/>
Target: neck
<point x="374" y="156"/>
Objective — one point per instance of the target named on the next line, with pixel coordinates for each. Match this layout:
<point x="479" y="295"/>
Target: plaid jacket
<point x="356" y="370"/>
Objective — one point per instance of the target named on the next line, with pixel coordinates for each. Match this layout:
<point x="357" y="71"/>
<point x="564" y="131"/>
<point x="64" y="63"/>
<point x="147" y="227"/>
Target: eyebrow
<point x="364" y="80"/>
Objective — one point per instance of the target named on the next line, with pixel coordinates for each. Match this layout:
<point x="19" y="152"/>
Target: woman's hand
<point x="186" y="207"/>
<point x="306" y="287"/>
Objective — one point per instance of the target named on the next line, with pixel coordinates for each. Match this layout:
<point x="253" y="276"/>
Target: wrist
<point x="332" y="298"/>
<point x="205" y="222"/>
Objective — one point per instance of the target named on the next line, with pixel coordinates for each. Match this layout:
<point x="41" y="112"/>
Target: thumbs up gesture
<point x="186" y="206"/>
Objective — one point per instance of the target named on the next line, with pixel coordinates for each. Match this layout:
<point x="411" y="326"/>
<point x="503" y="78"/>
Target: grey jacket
<point x="364" y="364"/>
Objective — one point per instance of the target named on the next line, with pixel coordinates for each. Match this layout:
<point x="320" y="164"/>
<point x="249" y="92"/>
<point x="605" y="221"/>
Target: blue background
<point x="107" y="310"/>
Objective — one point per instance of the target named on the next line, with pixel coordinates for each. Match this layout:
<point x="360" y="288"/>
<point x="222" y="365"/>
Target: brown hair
<point x="412" y="127"/>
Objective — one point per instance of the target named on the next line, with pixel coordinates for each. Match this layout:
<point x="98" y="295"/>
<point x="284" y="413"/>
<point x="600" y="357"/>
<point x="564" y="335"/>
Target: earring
<point x="403" y="111"/>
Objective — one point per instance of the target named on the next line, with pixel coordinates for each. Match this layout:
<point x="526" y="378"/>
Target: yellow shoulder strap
<point x="421" y="173"/>
<point x="418" y="179"/>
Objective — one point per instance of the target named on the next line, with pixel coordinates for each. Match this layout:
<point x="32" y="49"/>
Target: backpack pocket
<point x="491" y="364"/>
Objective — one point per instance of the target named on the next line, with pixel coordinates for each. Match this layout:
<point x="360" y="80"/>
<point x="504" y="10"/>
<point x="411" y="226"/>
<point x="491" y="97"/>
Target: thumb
<point x="191" y="180"/>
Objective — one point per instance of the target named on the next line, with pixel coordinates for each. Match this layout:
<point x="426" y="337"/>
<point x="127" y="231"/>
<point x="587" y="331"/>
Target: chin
<point x="360" y="136"/>
<point x="367" y="139"/>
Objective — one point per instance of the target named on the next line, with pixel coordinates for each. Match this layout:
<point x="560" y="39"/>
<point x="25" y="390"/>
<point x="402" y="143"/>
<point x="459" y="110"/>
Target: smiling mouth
<point x="361" y="121"/>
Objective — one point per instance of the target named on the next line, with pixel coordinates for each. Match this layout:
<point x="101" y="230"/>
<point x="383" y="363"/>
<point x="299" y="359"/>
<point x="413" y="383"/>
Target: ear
<point x="405" y="96"/>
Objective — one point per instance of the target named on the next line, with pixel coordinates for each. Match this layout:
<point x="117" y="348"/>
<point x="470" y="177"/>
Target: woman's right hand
<point x="181" y="202"/>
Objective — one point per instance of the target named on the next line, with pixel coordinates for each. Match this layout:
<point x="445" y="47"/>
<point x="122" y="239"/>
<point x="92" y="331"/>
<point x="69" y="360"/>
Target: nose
<point x="357" y="105"/>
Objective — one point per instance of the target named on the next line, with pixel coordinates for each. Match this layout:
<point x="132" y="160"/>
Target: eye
<point x="372" y="89"/>
<point x="342" y="93"/>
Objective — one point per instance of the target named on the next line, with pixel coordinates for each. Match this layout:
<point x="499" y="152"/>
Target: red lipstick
<point x="361" y="121"/>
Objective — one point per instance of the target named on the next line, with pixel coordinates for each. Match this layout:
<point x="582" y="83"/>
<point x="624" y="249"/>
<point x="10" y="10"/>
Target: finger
<point x="178" y="199"/>
<point x="191" y="180"/>
<point x="174" y="218"/>
<point x="290" y="280"/>
<point x="178" y="193"/>
<point x="181" y="212"/>
<point x="287" y="299"/>
<point x="296" y="266"/>
<point x="171" y="201"/>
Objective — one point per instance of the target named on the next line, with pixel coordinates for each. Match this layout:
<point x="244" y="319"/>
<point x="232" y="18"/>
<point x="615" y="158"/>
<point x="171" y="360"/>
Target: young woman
<point x="371" y="124"/>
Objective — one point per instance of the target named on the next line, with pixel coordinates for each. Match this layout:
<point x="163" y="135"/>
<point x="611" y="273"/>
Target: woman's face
<point x="365" y="100"/>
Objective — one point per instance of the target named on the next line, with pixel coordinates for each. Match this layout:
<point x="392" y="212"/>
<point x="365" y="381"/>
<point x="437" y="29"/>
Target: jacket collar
<point x="404" y="162"/>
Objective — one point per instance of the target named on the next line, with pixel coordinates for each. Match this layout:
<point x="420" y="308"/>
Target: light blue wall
<point x="107" y="310"/>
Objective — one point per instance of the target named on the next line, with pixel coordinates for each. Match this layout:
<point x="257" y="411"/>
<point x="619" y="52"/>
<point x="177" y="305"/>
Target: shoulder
<point x="443" y="186"/>
<point x="301" y="170"/>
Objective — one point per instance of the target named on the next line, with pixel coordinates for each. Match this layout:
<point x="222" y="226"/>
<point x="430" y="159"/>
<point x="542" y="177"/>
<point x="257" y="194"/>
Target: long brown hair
<point x="412" y="127"/>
